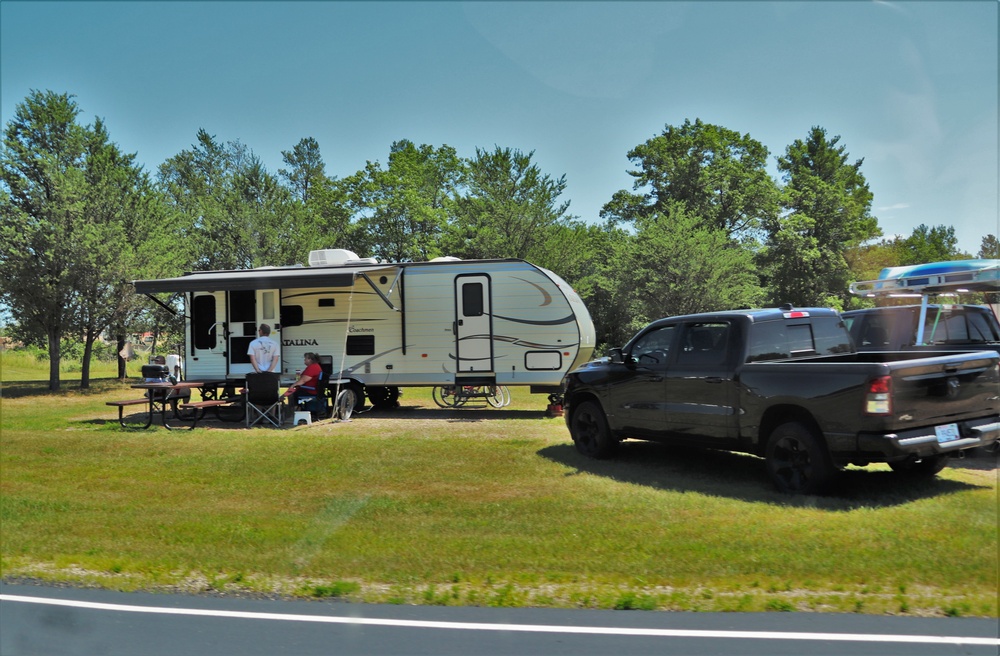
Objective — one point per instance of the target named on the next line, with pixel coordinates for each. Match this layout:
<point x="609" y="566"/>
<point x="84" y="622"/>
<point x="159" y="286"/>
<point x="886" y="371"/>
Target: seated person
<point x="305" y="385"/>
<point x="161" y="395"/>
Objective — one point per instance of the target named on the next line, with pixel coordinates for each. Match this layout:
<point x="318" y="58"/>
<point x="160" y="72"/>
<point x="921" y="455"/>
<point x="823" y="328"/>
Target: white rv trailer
<point x="389" y="325"/>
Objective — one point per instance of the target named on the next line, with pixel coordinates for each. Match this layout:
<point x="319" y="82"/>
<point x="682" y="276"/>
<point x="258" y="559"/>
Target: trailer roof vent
<point x="331" y="257"/>
<point x="446" y="258"/>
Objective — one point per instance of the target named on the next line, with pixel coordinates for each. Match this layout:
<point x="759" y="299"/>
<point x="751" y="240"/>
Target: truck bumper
<point x="925" y="442"/>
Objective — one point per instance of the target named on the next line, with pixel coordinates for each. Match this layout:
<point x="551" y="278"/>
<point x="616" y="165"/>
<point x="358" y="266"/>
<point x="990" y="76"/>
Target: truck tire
<point x="589" y="429"/>
<point x="923" y="468"/>
<point x="797" y="460"/>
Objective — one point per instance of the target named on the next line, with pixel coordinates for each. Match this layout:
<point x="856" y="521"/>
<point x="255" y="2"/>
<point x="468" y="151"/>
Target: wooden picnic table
<point x="217" y="393"/>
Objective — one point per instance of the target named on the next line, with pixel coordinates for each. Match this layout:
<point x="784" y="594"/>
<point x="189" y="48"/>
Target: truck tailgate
<point x="933" y="389"/>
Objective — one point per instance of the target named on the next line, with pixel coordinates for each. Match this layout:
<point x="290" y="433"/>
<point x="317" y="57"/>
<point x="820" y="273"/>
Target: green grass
<point x="471" y="506"/>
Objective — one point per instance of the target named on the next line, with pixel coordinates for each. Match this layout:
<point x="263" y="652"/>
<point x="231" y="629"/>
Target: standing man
<point x="263" y="351"/>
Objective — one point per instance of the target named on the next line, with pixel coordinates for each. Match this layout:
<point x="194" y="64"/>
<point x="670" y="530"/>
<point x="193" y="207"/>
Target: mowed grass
<point x="471" y="506"/>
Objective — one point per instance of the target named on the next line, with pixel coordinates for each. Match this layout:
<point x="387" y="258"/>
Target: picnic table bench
<point x="159" y="398"/>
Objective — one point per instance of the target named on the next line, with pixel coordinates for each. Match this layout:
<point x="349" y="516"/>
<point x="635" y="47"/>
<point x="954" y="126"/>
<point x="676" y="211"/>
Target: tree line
<point x="704" y="226"/>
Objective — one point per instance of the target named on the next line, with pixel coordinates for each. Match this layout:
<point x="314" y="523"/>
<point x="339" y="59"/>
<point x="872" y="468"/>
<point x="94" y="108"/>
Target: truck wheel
<point x="590" y="432"/>
<point x="923" y="468"/>
<point x="797" y="460"/>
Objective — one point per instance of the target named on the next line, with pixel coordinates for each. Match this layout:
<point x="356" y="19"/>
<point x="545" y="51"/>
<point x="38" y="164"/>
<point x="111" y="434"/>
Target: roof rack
<point x="934" y="278"/>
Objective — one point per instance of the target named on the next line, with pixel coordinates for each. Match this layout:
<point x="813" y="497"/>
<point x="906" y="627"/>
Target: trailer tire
<point x="589" y="428"/>
<point x="797" y="460"/>
<point x="343" y="406"/>
<point x="383" y="398"/>
<point x="924" y="468"/>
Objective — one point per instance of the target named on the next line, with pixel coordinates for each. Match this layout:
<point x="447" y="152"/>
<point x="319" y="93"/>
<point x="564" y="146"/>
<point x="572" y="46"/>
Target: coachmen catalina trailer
<point x="389" y="325"/>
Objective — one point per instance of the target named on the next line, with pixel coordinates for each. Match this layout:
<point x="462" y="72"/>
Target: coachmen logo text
<point x="299" y="342"/>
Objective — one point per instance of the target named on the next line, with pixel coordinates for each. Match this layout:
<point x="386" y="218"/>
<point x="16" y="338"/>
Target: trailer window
<point x="203" y="322"/>
<point x="361" y="345"/>
<point x="472" y="299"/>
<point x="291" y="315"/>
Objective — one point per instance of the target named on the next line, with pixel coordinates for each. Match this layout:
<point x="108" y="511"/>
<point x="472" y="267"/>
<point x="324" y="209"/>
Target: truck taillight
<point x="878" y="400"/>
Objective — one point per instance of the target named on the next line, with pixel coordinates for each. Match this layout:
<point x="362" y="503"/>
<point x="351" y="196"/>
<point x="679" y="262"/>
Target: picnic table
<point x="219" y="394"/>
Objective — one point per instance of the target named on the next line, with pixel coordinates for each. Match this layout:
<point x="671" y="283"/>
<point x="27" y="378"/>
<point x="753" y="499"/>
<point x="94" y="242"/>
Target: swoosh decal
<point x="546" y="297"/>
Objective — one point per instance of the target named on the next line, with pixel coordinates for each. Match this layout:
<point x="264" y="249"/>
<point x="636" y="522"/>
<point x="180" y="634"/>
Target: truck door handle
<point x="656" y="379"/>
<point x="713" y="379"/>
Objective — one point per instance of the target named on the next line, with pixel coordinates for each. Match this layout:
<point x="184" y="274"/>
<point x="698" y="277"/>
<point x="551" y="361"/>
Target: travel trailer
<point x="383" y="326"/>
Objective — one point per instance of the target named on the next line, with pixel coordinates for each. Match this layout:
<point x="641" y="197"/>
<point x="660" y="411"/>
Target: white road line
<point x="525" y="628"/>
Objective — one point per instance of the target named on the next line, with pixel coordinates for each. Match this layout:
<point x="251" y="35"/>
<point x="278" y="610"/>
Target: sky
<point x="909" y="87"/>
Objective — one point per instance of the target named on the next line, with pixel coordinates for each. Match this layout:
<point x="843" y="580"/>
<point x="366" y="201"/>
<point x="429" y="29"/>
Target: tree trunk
<point x="120" y="340"/>
<point x="88" y="351"/>
<point x="55" y="355"/>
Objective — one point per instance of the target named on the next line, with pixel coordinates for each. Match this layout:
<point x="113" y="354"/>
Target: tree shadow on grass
<point x="25" y="388"/>
<point x="744" y="477"/>
<point x="466" y="413"/>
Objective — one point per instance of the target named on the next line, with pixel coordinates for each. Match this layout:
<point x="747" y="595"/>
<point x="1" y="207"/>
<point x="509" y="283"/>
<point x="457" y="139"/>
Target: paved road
<point x="71" y="621"/>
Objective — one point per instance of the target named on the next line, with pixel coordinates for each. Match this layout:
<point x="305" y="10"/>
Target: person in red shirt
<point x="305" y="385"/>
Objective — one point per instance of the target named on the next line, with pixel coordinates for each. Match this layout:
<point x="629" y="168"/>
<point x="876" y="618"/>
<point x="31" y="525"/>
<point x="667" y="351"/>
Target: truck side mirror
<point x="616" y="356"/>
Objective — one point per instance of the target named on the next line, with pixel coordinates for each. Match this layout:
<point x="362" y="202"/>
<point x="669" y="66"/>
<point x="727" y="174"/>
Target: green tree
<point x="509" y="208"/>
<point x="929" y="244"/>
<point x="237" y="215"/>
<point x="719" y="175"/>
<point x="323" y="216"/>
<point x="990" y="248"/>
<point x="402" y="209"/>
<point x="124" y="234"/>
<point x="42" y="168"/>
<point x="674" y="265"/>
<point x="827" y="212"/>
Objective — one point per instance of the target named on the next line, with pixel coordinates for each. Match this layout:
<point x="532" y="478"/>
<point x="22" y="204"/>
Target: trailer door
<point x="473" y="323"/>
<point x="247" y="310"/>
<point x="207" y="336"/>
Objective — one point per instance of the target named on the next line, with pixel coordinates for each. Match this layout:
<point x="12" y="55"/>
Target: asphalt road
<point x="74" y="621"/>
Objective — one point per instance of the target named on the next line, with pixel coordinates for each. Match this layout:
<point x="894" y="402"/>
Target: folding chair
<point x="263" y="400"/>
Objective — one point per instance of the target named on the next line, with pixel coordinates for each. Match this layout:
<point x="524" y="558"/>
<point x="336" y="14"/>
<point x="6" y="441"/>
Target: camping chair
<point x="263" y="400"/>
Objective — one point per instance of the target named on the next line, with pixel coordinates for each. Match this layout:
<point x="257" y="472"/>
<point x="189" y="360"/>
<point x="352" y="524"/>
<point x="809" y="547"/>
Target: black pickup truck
<point x="786" y="384"/>
<point x="946" y="328"/>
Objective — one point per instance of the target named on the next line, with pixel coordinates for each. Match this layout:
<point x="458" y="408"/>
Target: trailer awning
<point x="218" y="281"/>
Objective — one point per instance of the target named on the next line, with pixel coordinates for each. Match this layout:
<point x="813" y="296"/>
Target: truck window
<point x="832" y="337"/>
<point x="776" y="340"/>
<point x="767" y="342"/>
<point x="704" y="344"/>
<point x="654" y="346"/>
<point x="980" y="329"/>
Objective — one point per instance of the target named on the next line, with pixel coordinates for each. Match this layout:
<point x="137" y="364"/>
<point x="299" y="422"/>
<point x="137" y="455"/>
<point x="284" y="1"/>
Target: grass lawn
<point x="469" y="506"/>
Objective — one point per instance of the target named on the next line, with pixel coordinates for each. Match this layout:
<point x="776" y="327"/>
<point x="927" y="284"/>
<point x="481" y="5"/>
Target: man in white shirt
<point x="263" y="351"/>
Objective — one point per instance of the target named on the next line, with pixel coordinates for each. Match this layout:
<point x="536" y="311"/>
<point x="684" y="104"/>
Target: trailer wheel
<point x="589" y="429"/>
<point x="797" y="460"/>
<point x="923" y="468"/>
<point x="383" y="398"/>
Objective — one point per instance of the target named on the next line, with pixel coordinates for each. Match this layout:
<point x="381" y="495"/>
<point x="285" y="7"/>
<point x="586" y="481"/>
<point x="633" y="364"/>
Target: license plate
<point x="946" y="433"/>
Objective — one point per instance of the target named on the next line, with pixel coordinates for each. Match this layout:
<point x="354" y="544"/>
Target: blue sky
<point x="911" y="87"/>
